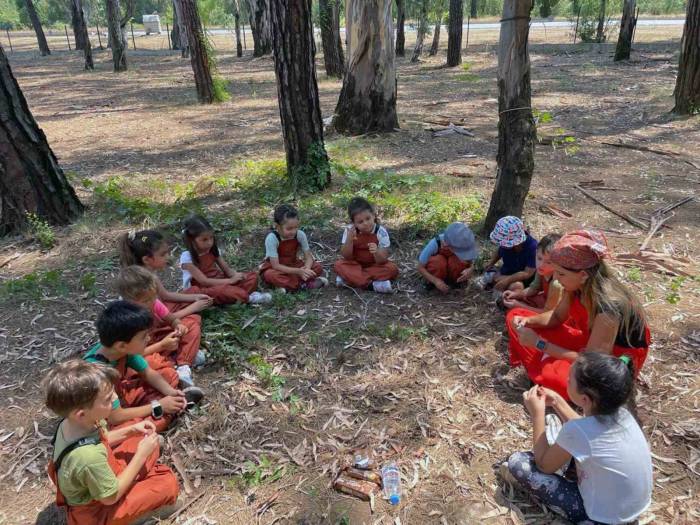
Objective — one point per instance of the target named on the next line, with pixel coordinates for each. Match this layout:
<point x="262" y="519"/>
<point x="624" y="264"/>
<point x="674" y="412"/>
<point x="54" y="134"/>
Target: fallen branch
<point x="186" y="506"/>
<point x="631" y="220"/>
<point x="639" y="147"/>
<point x="659" y="217"/>
<point x="180" y="467"/>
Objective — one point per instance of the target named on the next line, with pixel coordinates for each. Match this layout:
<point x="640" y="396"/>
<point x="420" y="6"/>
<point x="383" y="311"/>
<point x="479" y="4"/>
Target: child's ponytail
<point x="607" y="380"/>
<point x="134" y="246"/>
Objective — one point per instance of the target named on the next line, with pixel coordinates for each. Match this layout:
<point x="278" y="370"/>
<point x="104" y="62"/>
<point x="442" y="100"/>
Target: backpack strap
<point x="87" y="440"/>
<point x="438" y="241"/>
<point x="101" y="358"/>
<point x="279" y="239"/>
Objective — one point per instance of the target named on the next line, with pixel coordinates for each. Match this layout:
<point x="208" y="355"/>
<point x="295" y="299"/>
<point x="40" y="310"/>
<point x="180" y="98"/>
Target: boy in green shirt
<point x="103" y="477"/>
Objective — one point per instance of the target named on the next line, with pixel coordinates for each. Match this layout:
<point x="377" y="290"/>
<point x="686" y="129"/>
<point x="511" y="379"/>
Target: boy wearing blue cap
<point x="447" y="260"/>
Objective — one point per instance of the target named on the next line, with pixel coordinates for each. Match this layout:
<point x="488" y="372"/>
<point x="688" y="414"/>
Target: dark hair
<point x="76" y="384"/>
<point x="134" y="246"/>
<point x="120" y="321"/>
<point x="547" y="242"/>
<point x="607" y="380"/>
<point x="358" y="205"/>
<point x="134" y="282"/>
<point x="284" y="212"/>
<point x="193" y="227"/>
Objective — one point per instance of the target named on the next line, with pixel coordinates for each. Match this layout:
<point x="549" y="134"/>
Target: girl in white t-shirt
<point x="613" y="460"/>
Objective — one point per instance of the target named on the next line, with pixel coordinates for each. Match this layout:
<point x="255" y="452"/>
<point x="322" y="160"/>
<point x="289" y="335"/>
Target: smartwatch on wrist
<point x="156" y="410"/>
<point x="541" y="345"/>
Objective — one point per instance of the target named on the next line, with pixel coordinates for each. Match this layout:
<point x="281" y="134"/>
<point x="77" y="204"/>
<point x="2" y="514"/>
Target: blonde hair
<point x="136" y="281"/>
<point x="603" y="292"/>
<point x="76" y="384"/>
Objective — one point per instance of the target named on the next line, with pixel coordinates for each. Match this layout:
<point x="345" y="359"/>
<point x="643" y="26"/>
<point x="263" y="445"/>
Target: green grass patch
<point x="35" y="285"/>
<point x="265" y="471"/>
<point x="467" y="77"/>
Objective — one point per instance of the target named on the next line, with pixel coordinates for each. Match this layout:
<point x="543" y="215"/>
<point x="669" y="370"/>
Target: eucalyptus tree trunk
<point x="179" y="19"/>
<point x="627" y="24"/>
<point x="116" y="42"/>
<point x="454" y="34"/>
<point x="237" y="20"/>
<point x="436" y="37"/>
<point x="333" y="56"/>
<point x="36" y="23"/>
<point x="199" y="52"/>
<point x="367" y="100"/>
<point x="400" y="31"/>
<point x="81" y="28"/>
<point x="516" y="127"/>
<point x="600" y="31"/>
<point x="687" y="92"/>
<point x="31" y="180"/>
<point x="260" y="26"/>
<point x="422" y="30"/>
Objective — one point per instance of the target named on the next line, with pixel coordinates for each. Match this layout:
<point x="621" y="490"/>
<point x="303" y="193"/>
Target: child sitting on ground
<point x="148" y="248"/>
<point x="613" y="460"/>
<point x="142" y="391"/>
<point x="282" y="267"/>
<point x="175" y="339"/>
<point x="447" y="260"/>
<point x="544" y="293"/>
<point x="365" y="251"/>
<point x="103" y="477"/>
<point x="517" y="249"/>
<point x="204" y="270"/>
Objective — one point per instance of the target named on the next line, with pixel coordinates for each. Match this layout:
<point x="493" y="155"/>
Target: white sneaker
<point x="339" y="281"/>
<point x="382" y="286"/>
<point x="184" y="372"/>
<point x="323" y="280"/>
<point x="199" y="359"/>
<point x="281" y="290"/>
<point x="259" y="298"/>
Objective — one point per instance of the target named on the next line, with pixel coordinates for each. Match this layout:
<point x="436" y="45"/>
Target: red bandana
<point x="580" y="250"/>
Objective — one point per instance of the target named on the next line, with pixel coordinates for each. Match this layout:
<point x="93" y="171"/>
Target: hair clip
<point x="132" y="235"/>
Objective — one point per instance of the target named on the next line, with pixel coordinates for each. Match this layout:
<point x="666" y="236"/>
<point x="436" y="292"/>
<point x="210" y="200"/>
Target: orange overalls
<point x="362" y="269"/>
<point x="445" y="264"/>
<point x="155" y="486"/>
<point x="223" y="293"/>
<point x="572" y="335"/>
<point x="287" y="255"/>
<point x="189" y="343"/>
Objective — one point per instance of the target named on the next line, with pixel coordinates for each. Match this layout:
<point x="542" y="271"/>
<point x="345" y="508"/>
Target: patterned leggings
<point x="555" y="492"/>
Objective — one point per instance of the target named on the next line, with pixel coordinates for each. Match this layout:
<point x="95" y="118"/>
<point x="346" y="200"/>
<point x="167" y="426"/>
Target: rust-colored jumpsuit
<point x="287" y="255"/>
<point x="445" y="264"/>
<point x="362" y="269"/>
<point x="222" y="293"/>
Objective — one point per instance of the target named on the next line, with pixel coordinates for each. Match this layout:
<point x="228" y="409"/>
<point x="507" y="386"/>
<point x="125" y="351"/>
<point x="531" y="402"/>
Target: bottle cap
<point x="394" y="499"/>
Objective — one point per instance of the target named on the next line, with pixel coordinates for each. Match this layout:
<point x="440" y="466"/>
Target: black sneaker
<point x="193" y="395"/>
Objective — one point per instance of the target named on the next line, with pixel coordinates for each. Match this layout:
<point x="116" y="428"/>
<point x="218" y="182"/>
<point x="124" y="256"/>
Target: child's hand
<point x="442" y="286"/>
<point x="200" y="297"/>
<point x="170" y="342"/>
<point x="510" y="303"/>
<point x="465" y="275"/>
<point x="351" y="235"/>
<point x="237" y="277"/>
<point x="519" y="322"/>
<point x="173" y="404"/>
<point x="534" y="401"/>
<point x="551" y="397"/>
<point x="306" y="273"/>
<point x="148" y="445"/>
<point x="145" y="427"/>
<point x="181" y="329"/>
<point x="202" y="304"/>
<point x="372" y="247"/>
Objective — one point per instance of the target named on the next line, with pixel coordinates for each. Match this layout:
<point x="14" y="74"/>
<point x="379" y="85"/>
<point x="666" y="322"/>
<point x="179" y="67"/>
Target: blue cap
<point x="394" y="499"/>
<point x="461" y="241"/>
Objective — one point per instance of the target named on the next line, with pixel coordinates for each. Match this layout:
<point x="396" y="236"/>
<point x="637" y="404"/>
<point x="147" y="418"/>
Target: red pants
<point x="284" y="280"/>
<point x="554" y="373"/>
<point x="189" y="343"/>
<point x="133" y="392"/>
<point x="359" y="276"/>
<point x="229" y="293"/>
<point x="448" y="268"/>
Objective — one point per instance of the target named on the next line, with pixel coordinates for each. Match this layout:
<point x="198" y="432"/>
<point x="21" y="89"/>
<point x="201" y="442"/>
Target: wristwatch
<point x="541" y="344"/>
<point x="156" y="410"/>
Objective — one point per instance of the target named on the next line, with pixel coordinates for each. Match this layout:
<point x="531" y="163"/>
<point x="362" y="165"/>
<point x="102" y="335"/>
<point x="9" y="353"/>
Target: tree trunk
<point x="367" y="100"/>
<point x="297" y="92"/>
<point x="77" y="21"/>
<point x="260" y="26"/>
<point x="400" y="33"/>
<point x="115" y="35"/>
<point x="237" y="20"/>
<point x="687" y="92"/>
<point x="40" y="37"/>
<point x="516" y="127"/>
<point x="600" y="31"/>
<point x="184" y="42"/>
<point x="31" y="181"/>
<point x="473" y="9"/>
<point x="454" y="34"/>
<point x="175" y="31"/>
<point x="436" y="37"/>
<point x="624" y="41"/>
<point x="199" y="54"/>
<point x="422" y="29"/>
<point x="333" y="58"/>
<point x="83" y="32"/>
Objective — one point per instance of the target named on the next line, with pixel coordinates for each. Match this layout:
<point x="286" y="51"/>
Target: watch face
<point x="541" y="344"/>
<point x="157" y="411"/>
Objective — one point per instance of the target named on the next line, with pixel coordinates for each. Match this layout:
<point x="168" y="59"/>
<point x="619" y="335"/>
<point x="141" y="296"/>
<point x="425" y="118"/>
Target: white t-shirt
<point x="613" y="463"/>
<point x="186" y="258"/>
<point x="382" y="236"/>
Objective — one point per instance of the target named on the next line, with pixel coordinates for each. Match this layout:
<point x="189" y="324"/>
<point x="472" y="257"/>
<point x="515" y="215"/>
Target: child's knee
<point x="520" y="465"/>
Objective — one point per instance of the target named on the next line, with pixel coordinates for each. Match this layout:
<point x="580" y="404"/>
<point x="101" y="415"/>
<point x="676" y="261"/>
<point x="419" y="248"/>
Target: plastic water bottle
<point x="391" y="483"/>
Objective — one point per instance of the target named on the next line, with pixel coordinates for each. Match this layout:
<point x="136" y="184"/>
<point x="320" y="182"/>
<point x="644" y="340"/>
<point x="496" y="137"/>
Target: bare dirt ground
<point x="415" y="378"/>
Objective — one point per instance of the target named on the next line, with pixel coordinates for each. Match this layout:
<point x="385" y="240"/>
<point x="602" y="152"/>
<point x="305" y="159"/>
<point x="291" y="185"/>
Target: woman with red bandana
<point x="596" y="314"/>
